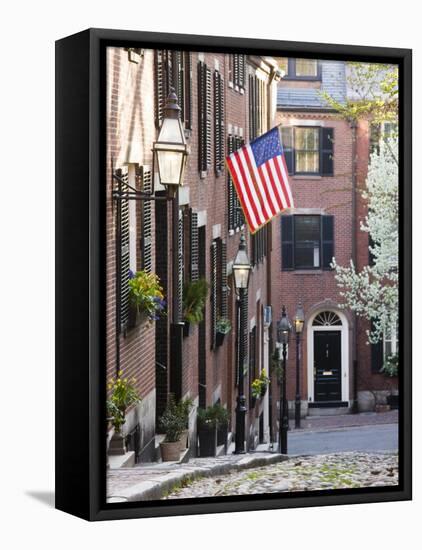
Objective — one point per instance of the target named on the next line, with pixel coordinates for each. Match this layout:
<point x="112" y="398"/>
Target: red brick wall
<point x="210" y="194"/>
<point x="334" y="196"/>
<point x="130" y="132"/>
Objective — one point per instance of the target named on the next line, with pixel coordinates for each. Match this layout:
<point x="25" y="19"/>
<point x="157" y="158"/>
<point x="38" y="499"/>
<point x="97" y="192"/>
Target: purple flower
<point x="131" y="274"/>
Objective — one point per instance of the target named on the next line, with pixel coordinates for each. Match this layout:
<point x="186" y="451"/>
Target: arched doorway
<point x="328" y="358"/>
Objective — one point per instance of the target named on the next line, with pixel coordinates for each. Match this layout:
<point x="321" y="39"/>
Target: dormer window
<point x="303" y="69"/>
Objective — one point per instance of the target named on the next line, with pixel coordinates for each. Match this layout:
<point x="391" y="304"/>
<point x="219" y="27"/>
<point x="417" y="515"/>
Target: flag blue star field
<point x="259" y="175"/>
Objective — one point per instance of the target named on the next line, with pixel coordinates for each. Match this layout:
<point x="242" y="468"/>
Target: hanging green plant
<point x="147" y="295"/>
<point x="223" y="325"/>
<point x="259" y="385"/>
<point x="194" y="296"/>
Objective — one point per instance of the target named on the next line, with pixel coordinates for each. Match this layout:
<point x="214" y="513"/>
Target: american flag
<point x="259" y="174"/>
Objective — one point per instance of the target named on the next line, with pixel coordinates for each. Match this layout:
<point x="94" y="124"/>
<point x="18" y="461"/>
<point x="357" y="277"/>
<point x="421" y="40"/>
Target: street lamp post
<point x="283" y="333"/>
<point x="241" y="274"/>
<point x="170" y="152"/>
<point x="298" y="322"/>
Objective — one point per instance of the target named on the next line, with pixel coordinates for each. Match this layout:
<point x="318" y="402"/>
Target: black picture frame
<point x="80" y="248"/>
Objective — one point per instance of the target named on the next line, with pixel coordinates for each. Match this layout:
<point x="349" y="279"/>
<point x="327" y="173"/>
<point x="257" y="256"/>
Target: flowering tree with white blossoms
<point x="373" y="292"/>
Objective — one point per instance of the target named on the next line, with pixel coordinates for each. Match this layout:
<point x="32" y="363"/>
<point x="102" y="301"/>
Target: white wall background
<point x="27" y="37"/>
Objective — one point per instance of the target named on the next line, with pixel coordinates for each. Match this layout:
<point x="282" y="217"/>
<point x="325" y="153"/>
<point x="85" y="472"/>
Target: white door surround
<point x="344" y="329"/>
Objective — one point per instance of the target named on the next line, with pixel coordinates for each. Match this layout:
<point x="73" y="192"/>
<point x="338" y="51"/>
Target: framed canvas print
<point x="233" y="274"/>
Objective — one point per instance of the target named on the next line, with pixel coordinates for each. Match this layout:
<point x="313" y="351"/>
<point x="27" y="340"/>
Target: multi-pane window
<point x="308" y="150"/>
<point x="306" y="67"/>
<point x="390" y="342"/>
<point x="303" y="69"/>
<point x="386" y="347"/>
<point x="307" y="241"/>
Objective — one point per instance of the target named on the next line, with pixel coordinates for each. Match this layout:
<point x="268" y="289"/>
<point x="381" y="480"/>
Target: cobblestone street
<point x="334" y="471"/>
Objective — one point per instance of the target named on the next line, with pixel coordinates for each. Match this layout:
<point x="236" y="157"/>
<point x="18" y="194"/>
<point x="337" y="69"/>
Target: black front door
<point x="327" y="365"/>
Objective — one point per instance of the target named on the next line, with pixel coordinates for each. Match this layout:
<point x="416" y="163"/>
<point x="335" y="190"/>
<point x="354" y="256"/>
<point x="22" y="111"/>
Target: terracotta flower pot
<point x="170" y="450"/>
<point x="184" y="443"/>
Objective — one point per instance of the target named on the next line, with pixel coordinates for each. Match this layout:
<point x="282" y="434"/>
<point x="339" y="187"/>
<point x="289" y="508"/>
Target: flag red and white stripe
<point x="260" y="176"/>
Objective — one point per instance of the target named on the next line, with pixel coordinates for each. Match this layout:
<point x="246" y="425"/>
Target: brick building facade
<point x="327" y="157"/>
<point x="225" y="100"/>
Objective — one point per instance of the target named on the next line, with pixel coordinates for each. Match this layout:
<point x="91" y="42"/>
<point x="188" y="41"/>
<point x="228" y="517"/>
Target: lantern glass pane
<point x="171" y="132"/>
<point x="241" y="276"/>
<point x="170" y="164"/>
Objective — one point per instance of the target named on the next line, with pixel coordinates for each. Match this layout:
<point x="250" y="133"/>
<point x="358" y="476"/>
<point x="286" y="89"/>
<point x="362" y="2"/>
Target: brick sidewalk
<point x="313" y="423"/>
<point x="153" y="481"/>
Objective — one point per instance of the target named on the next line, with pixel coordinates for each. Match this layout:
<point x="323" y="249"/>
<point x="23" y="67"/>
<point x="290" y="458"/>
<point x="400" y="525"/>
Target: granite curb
<point x="163" y="484"/>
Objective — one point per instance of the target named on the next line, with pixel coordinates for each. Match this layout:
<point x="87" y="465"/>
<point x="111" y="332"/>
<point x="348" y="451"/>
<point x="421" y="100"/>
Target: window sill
<point x="306" y="177"/>
<point x="303" y="78"/>
<point x="310" y="271"/>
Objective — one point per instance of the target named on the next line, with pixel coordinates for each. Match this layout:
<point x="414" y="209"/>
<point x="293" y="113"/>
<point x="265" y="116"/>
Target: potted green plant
<point x="123" y="394"/>
<point x="391" y="370"/>
<point x="194" y="297"/>
<point x="146" y="298"/>
<point x="172" y="425"/>
<point x="207" y="431"/>
<point x="259" y="385"/>
<point x="184" y="408"/>
<point x="223" y="327"/>
<point x="221" y="415"/>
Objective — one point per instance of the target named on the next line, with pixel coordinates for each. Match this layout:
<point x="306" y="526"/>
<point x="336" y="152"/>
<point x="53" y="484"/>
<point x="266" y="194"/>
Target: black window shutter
<point x="180" y="257"/>
<point x="327" y="241"/>
<point x="219" y="122"/>
<point x="204" y="117"/>
<point x="327" y="152"/>
<point x="242" y="71"/>
<point x="187" y="73"/>
<point x="124" y="257"/>
<point x="163" y="81"/>
<point x="194" y="246"/>
<point x="288" y="148"/>
<point x="213" y="294"/>
<point x="250" y="104"/>
<point x="252" y="364"/>
<point x="371" y="258"/>
<point x="239" y="219"/>
<point x="223" y="279"/>
<point x="236" y="69"/>
<point x="208" y="120"/>
<point x="178" y="81"/>
<point x="146" y="222"/>
<point x="377" y="355"/>
<point x="201" y="118"/>
<point x="230" y="189"/>
<point x="287" y="242"/>
<point x="244" y="337"/>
